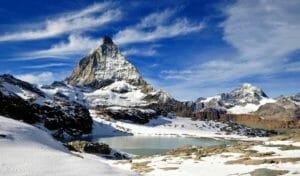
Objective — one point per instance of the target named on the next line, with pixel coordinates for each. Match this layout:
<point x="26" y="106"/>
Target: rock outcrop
<point x="283" y="108"/>
<point x="88" y="147"/>
<point x="23" y="101"/>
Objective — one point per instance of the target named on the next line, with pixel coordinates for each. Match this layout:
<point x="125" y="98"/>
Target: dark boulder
<point x="136" y="115"/>
<point x="89" y="147"/>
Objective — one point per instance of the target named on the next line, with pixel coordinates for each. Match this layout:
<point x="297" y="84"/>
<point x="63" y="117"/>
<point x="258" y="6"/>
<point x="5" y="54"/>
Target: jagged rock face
<point x="104" y="65"/>
<point x="140" y="116"/>
<point x="23" y="101"/>
<point x="17" y="108"/>
<point x="283" y="108"/>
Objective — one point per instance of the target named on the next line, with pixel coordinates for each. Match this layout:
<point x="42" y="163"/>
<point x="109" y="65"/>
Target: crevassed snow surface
<point x="27" y="150"/>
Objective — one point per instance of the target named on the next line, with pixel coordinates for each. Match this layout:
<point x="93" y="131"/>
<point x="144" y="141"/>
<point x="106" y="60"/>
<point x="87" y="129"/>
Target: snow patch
<point x="27" y="150"/>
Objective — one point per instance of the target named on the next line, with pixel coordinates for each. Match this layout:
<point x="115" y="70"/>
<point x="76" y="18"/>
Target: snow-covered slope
<point x="27" y="150"/>
<point x="249" y="107"/>
<point x="242" y="100"/>
<point x="119" y="93"/>
<point x="23" y="101"/>
<point x="9" y="86"/>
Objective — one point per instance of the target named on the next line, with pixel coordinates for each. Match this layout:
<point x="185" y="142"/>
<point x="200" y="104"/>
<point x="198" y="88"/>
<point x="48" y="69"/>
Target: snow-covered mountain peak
<point x="248" y="92"/>
<point x="243" y="99"/>
<point x="248" y="85"/>
<point x="103" y="66"/>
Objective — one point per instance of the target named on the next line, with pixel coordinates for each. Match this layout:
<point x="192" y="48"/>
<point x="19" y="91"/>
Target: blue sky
<point x="189" y="48"/>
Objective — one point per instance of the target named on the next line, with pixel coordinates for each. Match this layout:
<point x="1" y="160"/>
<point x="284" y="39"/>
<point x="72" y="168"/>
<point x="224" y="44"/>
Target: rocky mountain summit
<point x="103" y="66"/>
<point x="244" y="99"/>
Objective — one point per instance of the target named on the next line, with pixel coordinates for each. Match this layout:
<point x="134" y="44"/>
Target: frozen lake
<point x="151" y="145"/>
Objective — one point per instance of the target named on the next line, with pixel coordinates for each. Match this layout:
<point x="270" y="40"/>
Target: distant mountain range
<point x="248" y="99"/>
<point x="106" y="82"/>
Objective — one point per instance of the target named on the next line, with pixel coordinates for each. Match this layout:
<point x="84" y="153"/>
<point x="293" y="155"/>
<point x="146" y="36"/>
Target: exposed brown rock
<point x="283" y="108"/>
<point x="267" y="172"/>
<point x="88" y="147"/>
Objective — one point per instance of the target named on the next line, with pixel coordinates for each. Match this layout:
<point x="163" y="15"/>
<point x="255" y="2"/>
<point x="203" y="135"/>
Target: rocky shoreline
<point x="266" y="158"/>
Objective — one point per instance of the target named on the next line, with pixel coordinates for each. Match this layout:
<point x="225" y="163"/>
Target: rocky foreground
<point x="279" y="155"/>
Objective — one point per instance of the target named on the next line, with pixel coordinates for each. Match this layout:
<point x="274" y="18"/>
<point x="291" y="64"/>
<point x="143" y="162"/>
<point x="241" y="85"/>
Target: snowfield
<point x="27" y="150"/>
<point x="165" y="126"/>
<point x="250" y="107"/>
<point x="118" y="93"/>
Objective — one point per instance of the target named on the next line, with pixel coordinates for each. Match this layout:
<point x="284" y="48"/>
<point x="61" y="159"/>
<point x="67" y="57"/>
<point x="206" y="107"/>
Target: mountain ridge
<point x="245" y="96"/>
<point x="103" y="65"/>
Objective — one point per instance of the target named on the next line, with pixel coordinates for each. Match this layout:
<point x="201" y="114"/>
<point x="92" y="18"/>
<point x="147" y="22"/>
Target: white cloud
<point x="77" y="21"/>
<point x="157" y="26"/>
<point x="151" y="51"/>
<point x="75" y="45"/>
<point x="217" y="71"/>
<point x="264" y="34"/>
<point x="46" y="65"/>
<point x="163" y="24"/>
<point x="38" y="78"/>
<point x="158" y="18"/>
<point x="263" y="30"/>
<point x="154" y="65"/>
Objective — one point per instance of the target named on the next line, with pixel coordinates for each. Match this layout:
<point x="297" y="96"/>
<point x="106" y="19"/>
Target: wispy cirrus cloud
<point x="46" y="65"/>
<point x="75" y="45"/>
<point x="37" y="78"/>
<point x="263" y="29"/>
<point x="42" y="78"/>
<point x="142" y="51"/>
<point x="163" y="25"/>
<point x="263" y="33"/>
<point x="76" y="21"/>
<point x="158" y="25"/>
